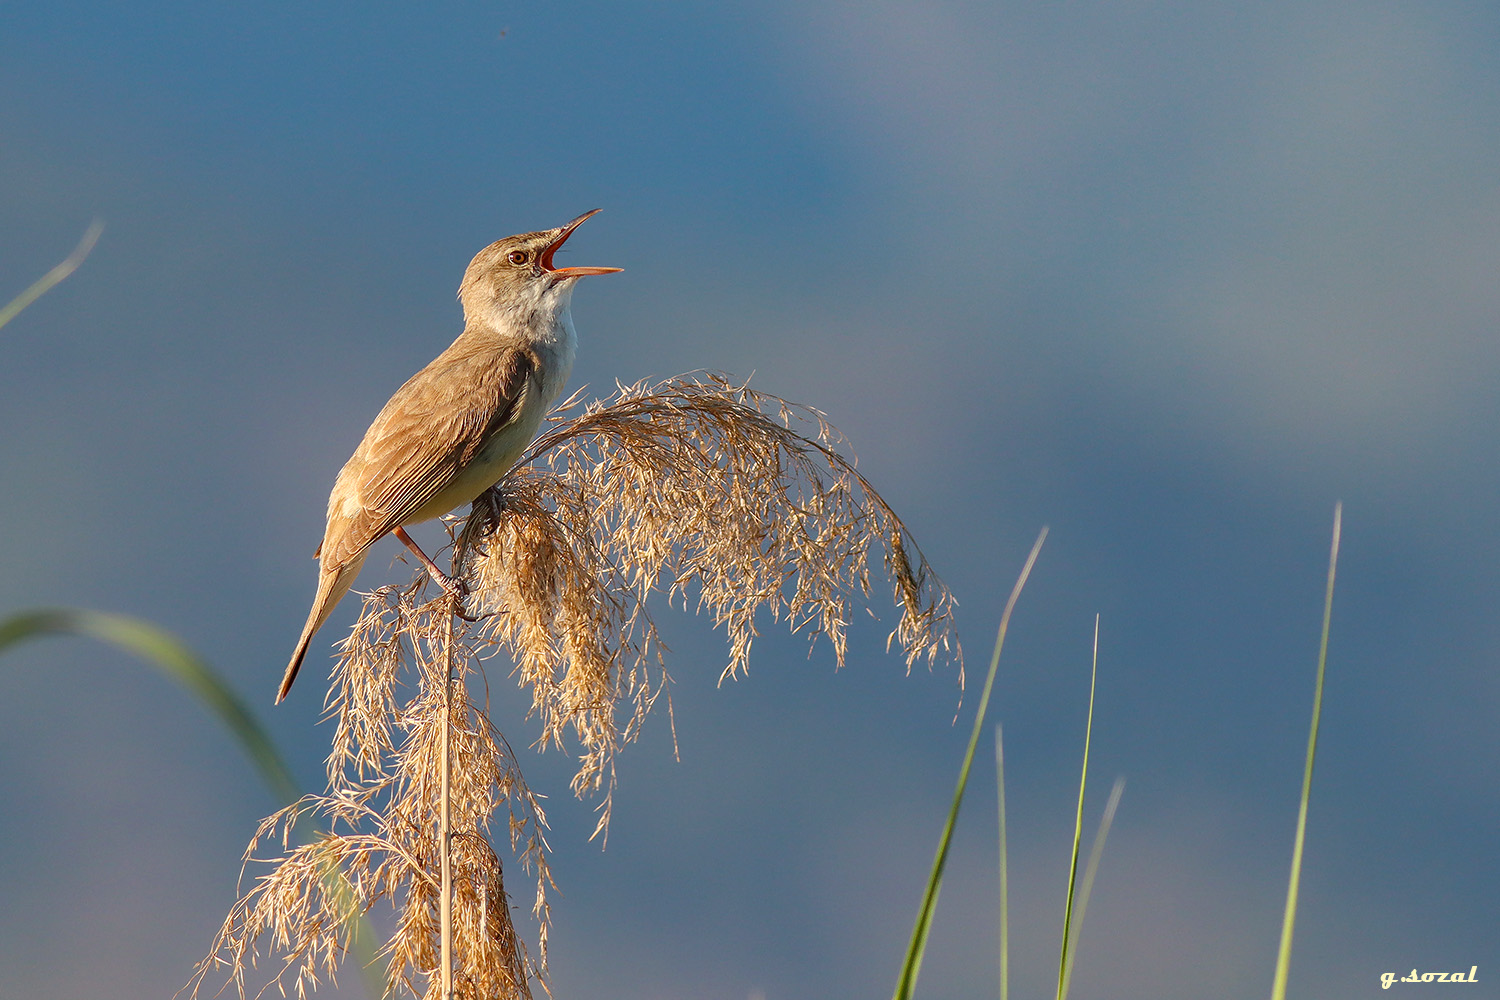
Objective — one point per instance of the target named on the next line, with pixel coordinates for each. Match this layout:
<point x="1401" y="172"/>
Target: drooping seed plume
<point x="717" y="497"/>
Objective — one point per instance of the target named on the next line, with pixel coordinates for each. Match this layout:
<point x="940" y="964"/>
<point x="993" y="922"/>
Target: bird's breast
<point x="556" y="347"/>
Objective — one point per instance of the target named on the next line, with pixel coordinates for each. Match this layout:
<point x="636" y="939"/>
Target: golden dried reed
<point x="719" y="497"/>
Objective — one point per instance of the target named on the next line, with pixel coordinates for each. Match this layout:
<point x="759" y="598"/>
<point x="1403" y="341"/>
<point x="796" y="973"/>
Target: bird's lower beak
<point x="562" y="237"/>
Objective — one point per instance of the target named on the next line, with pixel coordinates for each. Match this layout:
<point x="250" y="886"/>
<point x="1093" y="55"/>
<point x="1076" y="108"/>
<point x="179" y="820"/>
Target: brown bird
<point x="459" y="424"/>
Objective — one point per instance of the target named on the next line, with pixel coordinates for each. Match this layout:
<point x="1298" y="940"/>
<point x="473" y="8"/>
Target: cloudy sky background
<point x="1169" y="278"/>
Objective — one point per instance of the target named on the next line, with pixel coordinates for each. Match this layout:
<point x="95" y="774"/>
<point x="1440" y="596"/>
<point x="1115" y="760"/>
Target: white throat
<point x="536" y="316"/>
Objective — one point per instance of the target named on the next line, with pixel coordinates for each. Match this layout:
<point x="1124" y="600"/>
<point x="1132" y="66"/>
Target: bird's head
<point x="514" y="279"/>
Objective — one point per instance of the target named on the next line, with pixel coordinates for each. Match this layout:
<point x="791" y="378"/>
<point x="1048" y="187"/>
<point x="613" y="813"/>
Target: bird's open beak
<point x="562" y="237"/>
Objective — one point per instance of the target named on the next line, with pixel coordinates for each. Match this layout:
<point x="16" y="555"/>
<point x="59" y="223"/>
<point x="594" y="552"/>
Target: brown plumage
<point x="460" y="423"/>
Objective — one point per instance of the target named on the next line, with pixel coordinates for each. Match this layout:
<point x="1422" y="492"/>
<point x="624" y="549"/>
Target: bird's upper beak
<point x="559" y="240"/>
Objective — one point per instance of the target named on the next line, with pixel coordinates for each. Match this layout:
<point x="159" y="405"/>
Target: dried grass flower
<point x="726" y="500"/>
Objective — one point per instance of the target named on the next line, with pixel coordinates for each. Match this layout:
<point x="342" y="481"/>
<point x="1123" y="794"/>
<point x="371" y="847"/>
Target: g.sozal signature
<point x="1387" y="979"/>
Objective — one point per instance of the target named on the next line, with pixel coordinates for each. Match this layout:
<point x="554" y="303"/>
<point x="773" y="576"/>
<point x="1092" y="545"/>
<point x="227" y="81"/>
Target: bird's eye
<point x="518" y="257"/>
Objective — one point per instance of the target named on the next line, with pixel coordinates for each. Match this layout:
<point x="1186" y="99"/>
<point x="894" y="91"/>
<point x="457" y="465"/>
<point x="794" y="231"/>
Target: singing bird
<point x="459" y="424"/>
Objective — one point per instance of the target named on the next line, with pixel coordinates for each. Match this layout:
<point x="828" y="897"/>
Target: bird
<point x="458" y="425"/>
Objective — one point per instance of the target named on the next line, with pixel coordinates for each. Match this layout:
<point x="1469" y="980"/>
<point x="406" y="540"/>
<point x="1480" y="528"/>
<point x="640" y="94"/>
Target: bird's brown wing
<point x="431" y="428"/>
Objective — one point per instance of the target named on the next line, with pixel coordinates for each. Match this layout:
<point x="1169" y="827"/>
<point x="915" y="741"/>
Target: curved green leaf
<point x="172" y="657"/>
<point x="41" y="285"/>
<point x="169" y="654"/>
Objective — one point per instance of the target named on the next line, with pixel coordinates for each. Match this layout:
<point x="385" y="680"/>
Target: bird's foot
<point x="457" y="589"/>
<point x="458" y="592"/>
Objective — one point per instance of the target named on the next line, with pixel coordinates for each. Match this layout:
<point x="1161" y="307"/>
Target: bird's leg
<point x="455" y="588"/>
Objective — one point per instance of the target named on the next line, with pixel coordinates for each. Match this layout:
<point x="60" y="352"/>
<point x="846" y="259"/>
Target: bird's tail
<point x="333" y="584"/>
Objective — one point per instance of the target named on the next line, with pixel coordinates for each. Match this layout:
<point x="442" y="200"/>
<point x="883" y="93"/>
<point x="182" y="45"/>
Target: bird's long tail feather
<point x="333" y="584"/>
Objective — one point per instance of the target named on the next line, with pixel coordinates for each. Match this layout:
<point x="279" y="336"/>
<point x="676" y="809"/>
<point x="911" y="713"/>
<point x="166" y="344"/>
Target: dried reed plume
<point x="710" y="492"/>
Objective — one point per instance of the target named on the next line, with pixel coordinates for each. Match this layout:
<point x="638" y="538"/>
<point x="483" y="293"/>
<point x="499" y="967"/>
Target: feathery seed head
<point x="695" y="488"/>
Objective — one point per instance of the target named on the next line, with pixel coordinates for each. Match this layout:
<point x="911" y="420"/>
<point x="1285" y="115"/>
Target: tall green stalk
<point x="1289" y="918"/>
<point x="1086" y="887"/>
<point x="1004" y="870"/>
<point x="907" y="982"/>
<point x="1064" y="963"/>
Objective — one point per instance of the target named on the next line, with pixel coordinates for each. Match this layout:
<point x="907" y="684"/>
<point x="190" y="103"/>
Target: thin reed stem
<point x="445" y="814"/>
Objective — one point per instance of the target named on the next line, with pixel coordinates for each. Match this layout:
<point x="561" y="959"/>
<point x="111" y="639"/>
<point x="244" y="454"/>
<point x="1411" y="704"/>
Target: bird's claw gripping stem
<point x="455" y="588"/>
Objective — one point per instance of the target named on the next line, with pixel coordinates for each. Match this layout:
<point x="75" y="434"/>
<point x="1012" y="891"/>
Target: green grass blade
<point x="1289" y="919"/>
<point x="1086" y="887"/>
<point x="52" y="277"/>
<point x="907" y="982"/>
<point x="1004" y="870"/>
<point x="1063" y="961"/>
<point x="170" y="655"/>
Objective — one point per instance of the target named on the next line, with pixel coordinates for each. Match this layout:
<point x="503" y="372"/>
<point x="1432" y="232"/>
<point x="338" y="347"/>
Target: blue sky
<point x="1169" y="278"/>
